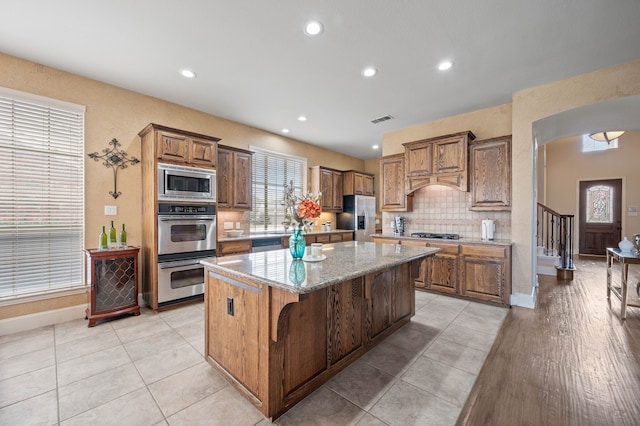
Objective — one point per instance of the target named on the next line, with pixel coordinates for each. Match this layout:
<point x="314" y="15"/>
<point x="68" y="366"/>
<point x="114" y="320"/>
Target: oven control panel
<point x="200" y="209"/>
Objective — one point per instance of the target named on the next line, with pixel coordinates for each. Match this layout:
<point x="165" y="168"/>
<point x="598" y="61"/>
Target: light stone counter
<point x="343" y="261"/>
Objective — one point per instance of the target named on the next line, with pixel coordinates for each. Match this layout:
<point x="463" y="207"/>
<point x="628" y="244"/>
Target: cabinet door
<point x="242" y="181"/>
<point x="491" y="174"/>
<point x="337" y="192"/>
<point x="442" y="269"/>
<point x="419" y="159"/>
<point x="226" y="248"/>
<point x="358" y="184"/>
<point x="486" y="272"/>
<point x="202" y="153"/>
<point x="378" y="293"/>
<point x="450" y="155"/>
<point x="326" y="186"/>
<point x="172" y="147"/>
<point x="367" y="185"/>
<point x="393" y="184"/>
<point x="224" y="177"/>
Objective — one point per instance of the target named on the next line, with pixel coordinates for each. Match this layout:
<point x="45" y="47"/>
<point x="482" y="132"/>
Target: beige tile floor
<point x="150" y="370"/>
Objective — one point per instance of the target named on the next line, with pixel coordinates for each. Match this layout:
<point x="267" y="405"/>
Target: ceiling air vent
<point x="381" y="119"/>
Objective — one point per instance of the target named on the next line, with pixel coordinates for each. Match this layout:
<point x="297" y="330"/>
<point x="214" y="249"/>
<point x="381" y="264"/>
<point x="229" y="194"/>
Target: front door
<point x="600" y="215"/>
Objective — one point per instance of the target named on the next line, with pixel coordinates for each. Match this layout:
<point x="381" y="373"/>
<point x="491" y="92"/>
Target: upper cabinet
<point x="490" y="163"/>
<point x="438" y="161"/>
<point x="329" y="183"/>
<point x="182" y="147"/>
<point x="234" y="178"/>
<point x="392" y="187"/>
<point x="357" y="183"/>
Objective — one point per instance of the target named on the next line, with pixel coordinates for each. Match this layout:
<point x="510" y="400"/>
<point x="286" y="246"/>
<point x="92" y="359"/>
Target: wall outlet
<point x="228" y="225"/>
<point x="110" y="210"/>
<point x="238" y="226"/>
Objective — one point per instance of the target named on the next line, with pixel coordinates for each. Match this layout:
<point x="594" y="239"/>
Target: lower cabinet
<point x="226" y="248"/>
<point x="474" y="271"/>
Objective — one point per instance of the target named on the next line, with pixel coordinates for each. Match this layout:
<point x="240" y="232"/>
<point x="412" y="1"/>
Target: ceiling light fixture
<point x="285" y="130"/>
<point x="606" y="136"/>
<point x="445" y="65"/>
<point x="369" y="72"/>
<point x="375" y="147"/>
<point x="313" y="28"/>
<point x="302" y="118"/>
<point x="188" y="73"/>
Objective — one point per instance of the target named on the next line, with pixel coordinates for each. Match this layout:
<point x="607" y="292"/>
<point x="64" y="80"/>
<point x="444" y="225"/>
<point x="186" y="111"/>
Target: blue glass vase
<point x="297" y="273"/>
<point x="297" y="244"/>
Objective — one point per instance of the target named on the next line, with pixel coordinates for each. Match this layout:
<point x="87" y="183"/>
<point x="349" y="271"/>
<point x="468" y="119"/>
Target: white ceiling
<point x="256" y="66"/>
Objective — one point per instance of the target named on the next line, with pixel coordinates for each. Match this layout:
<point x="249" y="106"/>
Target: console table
<point x="625" y="259"/>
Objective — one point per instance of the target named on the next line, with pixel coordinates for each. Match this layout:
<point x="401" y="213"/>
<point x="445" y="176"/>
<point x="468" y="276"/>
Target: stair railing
<point x="554" y="232"/>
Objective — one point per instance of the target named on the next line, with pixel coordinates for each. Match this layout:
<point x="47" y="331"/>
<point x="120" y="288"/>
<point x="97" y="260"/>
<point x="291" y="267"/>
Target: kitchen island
<point x="278" y="328"/>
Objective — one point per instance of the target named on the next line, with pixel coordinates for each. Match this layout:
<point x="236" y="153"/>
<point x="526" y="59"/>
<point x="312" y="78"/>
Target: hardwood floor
<point x="570" y="361"/>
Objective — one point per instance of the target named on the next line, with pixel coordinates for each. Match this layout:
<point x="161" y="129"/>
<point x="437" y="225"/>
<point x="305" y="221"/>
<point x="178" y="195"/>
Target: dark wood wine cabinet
<point x="112" y="276"/>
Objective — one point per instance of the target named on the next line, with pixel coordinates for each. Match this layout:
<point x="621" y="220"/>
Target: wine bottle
<point x="103" y="241"/>
<point x="112" y="237"/>
<point x="123" y="238"/>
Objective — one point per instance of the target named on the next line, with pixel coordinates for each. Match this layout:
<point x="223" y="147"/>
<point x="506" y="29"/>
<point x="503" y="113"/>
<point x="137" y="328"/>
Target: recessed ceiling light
<point x="302" y="118"/>
<point x="369" y="72"/>
<point x="285" y="130"/>
<point x="187" y="73"/>
<point x="375" y="147"/>
<point x="313" y="28"/>
<point x="445" y="65"/>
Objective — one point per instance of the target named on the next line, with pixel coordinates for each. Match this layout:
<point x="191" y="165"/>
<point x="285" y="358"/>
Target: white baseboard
<point x="41" y="319"/>
<point x="525" y="300"/>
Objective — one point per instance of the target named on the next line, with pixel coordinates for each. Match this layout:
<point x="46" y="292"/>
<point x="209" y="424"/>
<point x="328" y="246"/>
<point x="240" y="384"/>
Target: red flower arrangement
<point x="309" y="209"/>
<point x="302" y="214"/>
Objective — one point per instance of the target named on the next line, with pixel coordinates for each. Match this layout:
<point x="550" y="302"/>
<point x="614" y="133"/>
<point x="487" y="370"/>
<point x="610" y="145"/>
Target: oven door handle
<point x="175" y="218"/>
<point x="171" y="265"/>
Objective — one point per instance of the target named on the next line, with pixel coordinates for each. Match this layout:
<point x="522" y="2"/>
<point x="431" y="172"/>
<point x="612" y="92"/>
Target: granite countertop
<point x="265" y="235"/>
<point x="441" y="240"/>
<point x="343" y="261"/>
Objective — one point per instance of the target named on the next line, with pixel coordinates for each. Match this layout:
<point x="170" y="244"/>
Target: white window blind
<point x="271" y="170"/>
<point x="41" y="194"/>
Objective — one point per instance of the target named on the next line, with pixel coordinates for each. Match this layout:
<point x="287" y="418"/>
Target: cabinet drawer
<point x="335" y="238"/>
<point x="446" y="248"/>
<point x="324" y="238"/>
<point x="484" y="251"/>
<point x="347" y="236"/>
<point x="385" y="240"/>
<point x="234" y="247"/>
<point x="414" y="243"/>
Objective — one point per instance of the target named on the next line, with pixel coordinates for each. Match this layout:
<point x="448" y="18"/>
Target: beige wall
<point x="567" y="165"/>
<point x="112" y="112"/>
<point x="534" y="104"/>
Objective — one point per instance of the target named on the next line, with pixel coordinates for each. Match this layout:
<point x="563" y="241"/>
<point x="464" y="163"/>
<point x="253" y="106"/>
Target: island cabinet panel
<point x="345" y="319"/>
<point x="378" y="294"/>
<point x="234" y="309"/>
<point x="304" y="329"/>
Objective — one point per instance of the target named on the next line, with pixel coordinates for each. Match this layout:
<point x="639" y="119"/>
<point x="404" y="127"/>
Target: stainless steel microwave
<point x="181" y="183"/>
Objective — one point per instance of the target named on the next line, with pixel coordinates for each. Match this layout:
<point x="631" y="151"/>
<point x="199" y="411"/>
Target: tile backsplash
<point x="440" y="209"/>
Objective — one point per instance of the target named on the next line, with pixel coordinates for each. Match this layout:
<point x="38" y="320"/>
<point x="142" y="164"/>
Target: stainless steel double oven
<point x="186" y="234"/>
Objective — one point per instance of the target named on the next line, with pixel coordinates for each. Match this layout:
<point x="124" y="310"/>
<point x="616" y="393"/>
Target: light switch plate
<point x="228" y="225"/>
<point x="110" y="210"/>
<point x="238" y="226"/>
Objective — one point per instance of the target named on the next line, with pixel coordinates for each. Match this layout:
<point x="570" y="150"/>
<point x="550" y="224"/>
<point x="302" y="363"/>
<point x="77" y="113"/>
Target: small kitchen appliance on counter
<point x="488" y="229"/>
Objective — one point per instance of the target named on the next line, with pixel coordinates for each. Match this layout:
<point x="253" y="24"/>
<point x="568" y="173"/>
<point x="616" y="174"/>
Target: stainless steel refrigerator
<point x="359" y="215"/>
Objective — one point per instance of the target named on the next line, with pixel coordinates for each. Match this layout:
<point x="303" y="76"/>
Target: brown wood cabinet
<point x="490" y="163"/>
<point x="392" y="185"/>
<point x="357" y="183"/>
<point x="184" y="148"/>
<point x="162" y="144"/>
<point x="473" y="271"/>
<point x="226" y="248"/>
<point x="277" y="347"/>
<point x="329" y="182"/>
<point x="333" y="237"/>
<point x="234" y="178"/>
<point x="438" y="161"/>
<point x="486" y="273"/>
<point x="113" y="283"/>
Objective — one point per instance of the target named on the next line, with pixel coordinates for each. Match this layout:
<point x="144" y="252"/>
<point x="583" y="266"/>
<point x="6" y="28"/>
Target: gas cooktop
<point x="432" y="235"/>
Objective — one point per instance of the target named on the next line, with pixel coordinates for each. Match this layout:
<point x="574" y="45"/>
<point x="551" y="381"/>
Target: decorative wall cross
<point x="116" y="159"/>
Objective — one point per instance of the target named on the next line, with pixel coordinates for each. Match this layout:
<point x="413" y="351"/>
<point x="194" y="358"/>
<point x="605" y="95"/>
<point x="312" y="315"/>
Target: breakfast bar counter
<point x="278" y="328"/>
